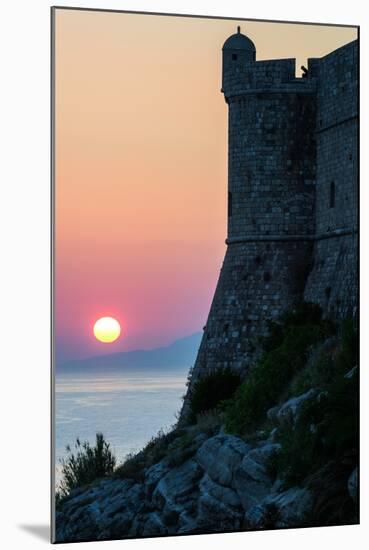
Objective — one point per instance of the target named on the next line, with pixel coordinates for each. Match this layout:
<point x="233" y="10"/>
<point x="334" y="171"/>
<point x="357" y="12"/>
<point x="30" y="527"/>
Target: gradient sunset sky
<point x="141" y="168"/>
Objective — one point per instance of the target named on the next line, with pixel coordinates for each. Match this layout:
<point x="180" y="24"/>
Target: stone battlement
<point x="272" y="76"/>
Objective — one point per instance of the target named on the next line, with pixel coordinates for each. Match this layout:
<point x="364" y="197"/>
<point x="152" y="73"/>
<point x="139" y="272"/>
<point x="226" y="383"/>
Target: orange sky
<point x="141" y="168"/>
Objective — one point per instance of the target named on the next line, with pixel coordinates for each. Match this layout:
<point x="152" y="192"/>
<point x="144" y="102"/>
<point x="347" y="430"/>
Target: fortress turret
<point x="271" y="149"/>
<point x="238" y="50"/>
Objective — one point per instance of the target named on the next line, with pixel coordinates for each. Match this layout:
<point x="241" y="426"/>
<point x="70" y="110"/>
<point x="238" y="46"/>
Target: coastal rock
<point x="176" y="484"/>
<point x="154" y="526"/>
<point x="352" y="485"/>
<point x="220" y="456"/>
<point x="273" y="435"/>
<point x="118" y="526"/>
<point x="254" y="517"/>
<point x="251" y="482"/>
<point x="119" y="496"/>
<point x="293" y="506"/>
<point x="78" y="526"/>
<point x="263" y="453"/>
<point x="352" y="373"/>
<point x="170" y="514"/>
<point x="215" y="516"/>
<point x="286" y="509"/>
<point x="187" y="524"/>
<point x="153" y="475"/>
<point x="287" y="414"/>
<point x="223" y="494"/>
<point x="105" y="510"/>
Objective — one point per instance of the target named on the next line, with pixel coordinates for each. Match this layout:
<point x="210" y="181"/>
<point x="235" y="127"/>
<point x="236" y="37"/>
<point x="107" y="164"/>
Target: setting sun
<point x="107" y="330"/>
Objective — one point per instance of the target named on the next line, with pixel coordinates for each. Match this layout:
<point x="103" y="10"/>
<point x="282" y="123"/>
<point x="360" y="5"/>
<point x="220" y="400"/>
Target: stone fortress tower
<point x="292" y="197"/>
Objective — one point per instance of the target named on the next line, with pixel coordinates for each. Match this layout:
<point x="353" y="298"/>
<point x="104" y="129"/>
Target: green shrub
<point x="316" y="374"/>
<point x="211" y="390"/>
<point x="291" y="339"/>
<point x="132" y="467"/>
<point x="181" y="449"/>
<point x="305" y="313"/>
<point x="327" y="428"/>
<point x="85" y="465"/>
<point x="156" y="449"/>
<point x="336" y="356"/>
<point x="269" y="378"/>
<point x="209" y="422"/>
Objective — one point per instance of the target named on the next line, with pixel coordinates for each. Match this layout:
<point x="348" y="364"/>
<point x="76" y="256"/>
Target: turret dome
<point x="239" y="41"/>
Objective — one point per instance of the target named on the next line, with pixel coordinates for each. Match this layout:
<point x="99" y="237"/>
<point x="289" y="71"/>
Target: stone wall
<point x="333" y="281"/>
<point x="292" y="201"/>
<point x="258" y="281"/>
<point x="271" y="164"/>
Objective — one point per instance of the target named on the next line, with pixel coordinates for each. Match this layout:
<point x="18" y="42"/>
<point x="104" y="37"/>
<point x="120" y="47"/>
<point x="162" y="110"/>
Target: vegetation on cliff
<point x="211" y="390"/>
<point x="327" y="427"/>
<point x="285" y="352"/>
<point x="85" y="464"/>
<point x="278" y="449"/>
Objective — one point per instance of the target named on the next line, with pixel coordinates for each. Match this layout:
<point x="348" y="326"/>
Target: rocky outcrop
<point x="224" y="486"/>
<point x="285" y="509"/>
<point x="287" y="414"/>
<point x="220" y="456"/>
<point x="212" y="483"/>
<point x="353" y="485"/>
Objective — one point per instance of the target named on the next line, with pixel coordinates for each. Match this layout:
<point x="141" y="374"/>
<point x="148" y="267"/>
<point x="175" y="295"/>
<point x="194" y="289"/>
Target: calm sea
<point x="127" y="408"/>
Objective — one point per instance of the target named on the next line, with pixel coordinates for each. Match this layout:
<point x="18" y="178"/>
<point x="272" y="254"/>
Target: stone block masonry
<point x="333" y="280"/>
<point x="292" y="198"/>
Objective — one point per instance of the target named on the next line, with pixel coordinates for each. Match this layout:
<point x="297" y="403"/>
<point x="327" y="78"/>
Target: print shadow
<point x="40" y="531"/>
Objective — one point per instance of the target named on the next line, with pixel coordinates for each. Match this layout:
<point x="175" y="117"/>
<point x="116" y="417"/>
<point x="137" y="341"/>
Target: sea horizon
<point x="129" y="407"/>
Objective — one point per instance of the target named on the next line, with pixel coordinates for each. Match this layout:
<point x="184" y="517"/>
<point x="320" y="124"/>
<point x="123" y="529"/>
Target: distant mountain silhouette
<point x="181" y="354"/>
